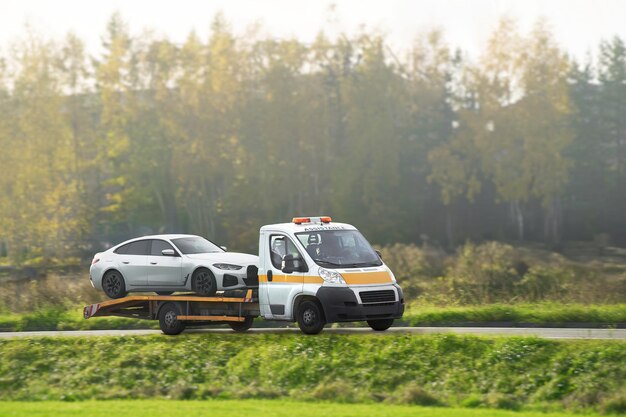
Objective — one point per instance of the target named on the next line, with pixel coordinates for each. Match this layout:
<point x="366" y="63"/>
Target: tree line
<point x="218" y="136"/>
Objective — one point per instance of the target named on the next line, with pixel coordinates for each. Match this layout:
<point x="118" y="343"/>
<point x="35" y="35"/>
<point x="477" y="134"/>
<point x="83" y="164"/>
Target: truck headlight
<point x="331" y="277"/>
<point x="228" y="267"/>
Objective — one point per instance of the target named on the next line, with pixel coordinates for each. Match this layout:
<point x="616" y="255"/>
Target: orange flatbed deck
<point x="132" y="305"/>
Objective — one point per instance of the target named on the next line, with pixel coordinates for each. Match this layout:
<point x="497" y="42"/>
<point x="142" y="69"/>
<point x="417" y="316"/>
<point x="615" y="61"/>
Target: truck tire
<point x="113" y="284"/>
<point x="242" y="326"/>
<point x="380" y="325"/>
<point x="168" y="319"/>
<point x="203" y="282"/>
<point x="310" y="317"/>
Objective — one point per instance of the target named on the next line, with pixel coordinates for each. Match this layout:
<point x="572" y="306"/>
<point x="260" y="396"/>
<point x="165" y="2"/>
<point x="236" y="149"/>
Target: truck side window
<point x="280" y="246"/>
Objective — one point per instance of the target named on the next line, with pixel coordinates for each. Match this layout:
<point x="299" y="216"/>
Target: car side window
<point x="140" y="247"/>
<point x="158" y="246"/>
<point x="122" y="250"/>
<point x="280" y="246"/>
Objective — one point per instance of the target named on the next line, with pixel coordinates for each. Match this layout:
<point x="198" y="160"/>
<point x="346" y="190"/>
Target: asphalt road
<point x="547" y="333"/>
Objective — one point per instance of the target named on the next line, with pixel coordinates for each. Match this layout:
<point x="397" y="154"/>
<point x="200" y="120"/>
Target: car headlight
<point x="229" y="267"/>
<point x="331" y="277"/>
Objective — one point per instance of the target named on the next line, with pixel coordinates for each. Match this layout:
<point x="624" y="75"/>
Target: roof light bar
<point x="302" y="220"/>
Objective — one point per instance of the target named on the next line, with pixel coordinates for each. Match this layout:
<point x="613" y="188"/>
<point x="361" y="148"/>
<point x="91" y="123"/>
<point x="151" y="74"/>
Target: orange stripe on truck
<point x="362" y="278"/>
<point x="293" y="279"/>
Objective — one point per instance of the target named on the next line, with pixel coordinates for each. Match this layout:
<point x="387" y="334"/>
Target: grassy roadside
<point x="507" y="373"/>
<point x="540" y="314"/>
<point x="242" y="408"/>
<point x="537" y="314"/>
<point x="59" y="318"/>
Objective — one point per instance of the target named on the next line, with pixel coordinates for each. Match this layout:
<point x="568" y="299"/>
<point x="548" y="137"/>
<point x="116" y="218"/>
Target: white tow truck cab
<point x="311" y="271"/>
<point x="315" y="271"/>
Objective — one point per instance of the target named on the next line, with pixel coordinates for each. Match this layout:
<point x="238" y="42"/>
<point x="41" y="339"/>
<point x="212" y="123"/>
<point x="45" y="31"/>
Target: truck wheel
<point x="380" y="325"/>
<point x="242" y="326"/>
<point x="203" y="282"/>
<point x="310" y="317"/>
<point x="168" y="319"/>
<point x="113" y="284"/>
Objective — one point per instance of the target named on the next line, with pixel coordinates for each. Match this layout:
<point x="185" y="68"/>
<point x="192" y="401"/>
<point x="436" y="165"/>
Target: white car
<point x="168" y="263"/>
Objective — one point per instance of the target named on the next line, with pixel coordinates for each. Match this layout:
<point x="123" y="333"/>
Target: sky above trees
<point x="578" y="25"/>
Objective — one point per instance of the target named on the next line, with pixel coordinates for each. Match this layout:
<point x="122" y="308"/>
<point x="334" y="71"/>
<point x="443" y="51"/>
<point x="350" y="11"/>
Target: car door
<point x="164" y="271"/>
<point x="133" y="262"/>
<point x="281" y="286"/>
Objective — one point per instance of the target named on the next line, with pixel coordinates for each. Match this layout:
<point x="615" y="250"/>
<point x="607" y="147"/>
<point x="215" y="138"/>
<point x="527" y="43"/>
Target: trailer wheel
<point x="310" y="317"/>
<point x="242" y="326"/>
<point x="168" y="319"/>
<point x="203" y="282"/>
<point x="380" y="325"/>
<point x="113" y="284"/>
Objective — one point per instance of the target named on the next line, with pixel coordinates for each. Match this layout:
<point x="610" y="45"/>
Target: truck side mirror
<point x="293" y="264"/>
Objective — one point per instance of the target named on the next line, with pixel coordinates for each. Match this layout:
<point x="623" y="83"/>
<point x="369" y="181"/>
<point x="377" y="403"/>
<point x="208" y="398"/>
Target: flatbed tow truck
<point x="311" y="271"/>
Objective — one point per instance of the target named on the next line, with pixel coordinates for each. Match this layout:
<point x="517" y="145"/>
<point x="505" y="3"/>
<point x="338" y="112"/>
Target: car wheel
<point x="113" y="285"/>
<point x="164" y="292"/>
<point x="310" y="317"/>
<point x="242" y="326"/>
<point x="168" y="319"/>
<point x="203" y="282"/>
<point x="380" y="325"/>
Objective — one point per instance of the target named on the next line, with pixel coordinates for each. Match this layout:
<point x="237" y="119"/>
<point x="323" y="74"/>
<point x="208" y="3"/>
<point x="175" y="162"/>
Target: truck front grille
<point x="383" y="296"/>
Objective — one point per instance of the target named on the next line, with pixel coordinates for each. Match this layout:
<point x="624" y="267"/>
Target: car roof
<point x="162" y="236"/>
<point x="305" y="227"/>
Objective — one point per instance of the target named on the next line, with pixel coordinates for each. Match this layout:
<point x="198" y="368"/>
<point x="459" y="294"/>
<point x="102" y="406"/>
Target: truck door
<point x="280" y="287"/>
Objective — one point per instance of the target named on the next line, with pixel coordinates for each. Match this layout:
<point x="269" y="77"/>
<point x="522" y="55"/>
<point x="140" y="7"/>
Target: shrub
<point x="340" y="391"/>
<point x="615" y="404"/>
<point x="472" y="401"/>
<point x="484" y="273"/>
<point x="416" y="395"/>
<point x="503" y="401"/>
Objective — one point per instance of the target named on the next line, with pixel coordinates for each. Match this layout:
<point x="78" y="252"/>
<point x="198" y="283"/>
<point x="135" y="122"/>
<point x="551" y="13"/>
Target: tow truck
<point x="312" y="271"/>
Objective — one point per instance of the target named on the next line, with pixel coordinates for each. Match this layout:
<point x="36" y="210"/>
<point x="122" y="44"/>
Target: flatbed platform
<point x="187" y="309"/>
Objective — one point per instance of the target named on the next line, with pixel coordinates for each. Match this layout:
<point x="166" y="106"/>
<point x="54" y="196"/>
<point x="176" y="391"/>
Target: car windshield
<point x="191" y="245"/>
<point x="339" y="248"/>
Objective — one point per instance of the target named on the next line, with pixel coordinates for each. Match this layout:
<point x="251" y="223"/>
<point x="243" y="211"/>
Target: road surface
<point x="547" y="333"/>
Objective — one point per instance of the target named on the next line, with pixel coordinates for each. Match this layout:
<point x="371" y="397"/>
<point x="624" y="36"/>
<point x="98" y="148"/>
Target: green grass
<point x="507" y="373"/>
<point x="550" y="314"/>
<point x="59" y="318"/>
<point x="241" y="408"/>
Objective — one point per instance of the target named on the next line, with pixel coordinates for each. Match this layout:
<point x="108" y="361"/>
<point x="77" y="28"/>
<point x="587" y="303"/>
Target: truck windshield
<point x="191" y="245"/>
<point x="339" y="248"/>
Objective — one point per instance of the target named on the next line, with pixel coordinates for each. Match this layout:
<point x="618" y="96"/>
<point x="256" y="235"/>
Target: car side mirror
<point x="293" y="264"/>
<point x="224" y="248"/>
<point x="168" y="252"/>
<point x="380" y="255"/>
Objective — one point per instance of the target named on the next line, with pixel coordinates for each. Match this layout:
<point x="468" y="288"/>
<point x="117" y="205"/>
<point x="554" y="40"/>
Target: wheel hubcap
<point x="112" y="284"/>
<point x="203" y="282"/>
<point x="308" y="317"/>
<point x="170" y="319"/>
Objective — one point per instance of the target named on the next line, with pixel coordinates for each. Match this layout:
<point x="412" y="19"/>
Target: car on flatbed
<point x="311" y="271"/>
<point x="168" y="263"/>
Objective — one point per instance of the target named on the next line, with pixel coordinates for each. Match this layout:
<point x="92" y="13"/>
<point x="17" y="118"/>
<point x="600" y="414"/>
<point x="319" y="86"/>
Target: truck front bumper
<point x="343" y="304"/>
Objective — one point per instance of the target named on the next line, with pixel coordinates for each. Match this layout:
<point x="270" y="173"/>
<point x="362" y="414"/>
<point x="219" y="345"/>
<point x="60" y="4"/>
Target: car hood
<point x="234" y="258"/>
